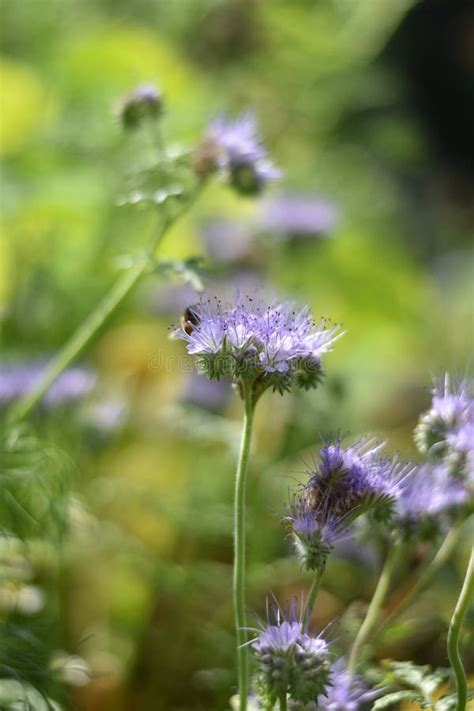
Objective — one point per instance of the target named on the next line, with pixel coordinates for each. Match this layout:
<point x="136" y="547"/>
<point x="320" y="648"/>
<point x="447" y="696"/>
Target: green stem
<point x="375" y="604"/>
<point x="239" y="547"/>
<point x="93" y="323"/>
<point x="283" y="703"/>
<point x="422" y="579"/>
<point x="465" y="598"/>
<point x="313" y="593"/>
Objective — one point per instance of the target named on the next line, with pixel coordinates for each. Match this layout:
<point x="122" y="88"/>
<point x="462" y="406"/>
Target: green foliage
<point x="33" y="484"/>
<point x="423" y="684"/>
<point x="398" y="696"/>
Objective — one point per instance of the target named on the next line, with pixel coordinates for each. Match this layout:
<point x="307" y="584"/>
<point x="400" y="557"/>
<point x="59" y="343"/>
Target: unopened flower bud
<point x="145" y="102"/>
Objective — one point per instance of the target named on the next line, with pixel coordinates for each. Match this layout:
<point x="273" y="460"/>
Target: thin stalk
<point x="465" y="598"/>
<point x="94" y="322"/>
<point x="375" y="604"/>
<point x="283" y="703"/>
<point x="239" y="547"/>
<point x="422" y="579"/>
<point x="313" y="593"/>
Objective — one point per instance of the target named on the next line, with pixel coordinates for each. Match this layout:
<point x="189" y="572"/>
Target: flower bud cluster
<point x="234" y="149"/>
<point x="445" y="433"/>
<point x="345" y="483"/>
<point x="290" y="662"/>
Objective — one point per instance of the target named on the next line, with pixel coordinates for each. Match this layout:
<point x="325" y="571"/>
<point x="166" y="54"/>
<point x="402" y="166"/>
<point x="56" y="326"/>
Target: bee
<point x="190" y="319"/>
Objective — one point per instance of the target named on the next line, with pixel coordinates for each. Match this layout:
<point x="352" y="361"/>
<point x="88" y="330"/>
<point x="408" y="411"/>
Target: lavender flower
<point x="234" y="148"/>
<point x="346" y="692"/>
<point x="345" y="483"/>
<point x="357" y="477"/>
<point x="17" y="381"/>
<point x="143" y="102"/>
<point x="430" y="499"/>
<point x="290" y="661"/>
<point x="446" y="429"/>
<point x="297" y="216"/>
<point x="271" y="346"/>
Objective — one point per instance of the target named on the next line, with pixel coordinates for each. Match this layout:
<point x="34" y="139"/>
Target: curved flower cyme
<point x="346" y="692"/>
<point x="358" y="477"/>
<point x="234" y="147"/>
<point x="276" y="346"/>
<point x="289" y="661"/>
<point x="446" y="429"/>
<point x="295" y="216"/>
<point x="345" y="483"/>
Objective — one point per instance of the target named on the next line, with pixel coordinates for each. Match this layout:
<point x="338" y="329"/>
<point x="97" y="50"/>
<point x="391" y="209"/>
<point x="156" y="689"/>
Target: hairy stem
<point x="375" y="605"/>
<point x="239" y="547"/>
<point x="94" y="322"/>
<point x="421" y="579"/>
<point x="283" y="704"/>
<point x="465" y="598"/>
<point x="313" y="594"/>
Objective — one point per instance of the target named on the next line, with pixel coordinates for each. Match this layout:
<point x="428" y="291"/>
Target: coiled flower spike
<point x="290" y="662"/>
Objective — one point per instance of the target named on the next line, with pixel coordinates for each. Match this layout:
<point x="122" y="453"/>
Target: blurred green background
<point x="366" y="105"/>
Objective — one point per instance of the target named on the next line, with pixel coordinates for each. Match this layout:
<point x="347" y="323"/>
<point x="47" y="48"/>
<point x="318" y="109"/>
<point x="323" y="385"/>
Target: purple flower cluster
<point x="346" y="692"/>
<point x="234" y="147"/>
<point x="430" y="499"/>
<point x="297" y="216"/>
<point x="17" y="381"/>
<point x="346" y="482"/>
<point x="290" y="661"/>
<point x="446" y="431"/>
<point x="277" y="345"/>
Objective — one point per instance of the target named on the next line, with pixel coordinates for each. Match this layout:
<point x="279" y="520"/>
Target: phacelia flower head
<point x="345" y="483"/>
<point x="297" y="216"/>
<point x="358" y="477"/>
<point x="446" y="429"/>
<point x="346" y="692"/>
<point x="144" y="102"/>
<point x="289" y="660"/>
<point x="234" y="148"/>
<point x="19" y="380"/>
<point x="276" y="345"/>
<point x="431" y="499"/>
